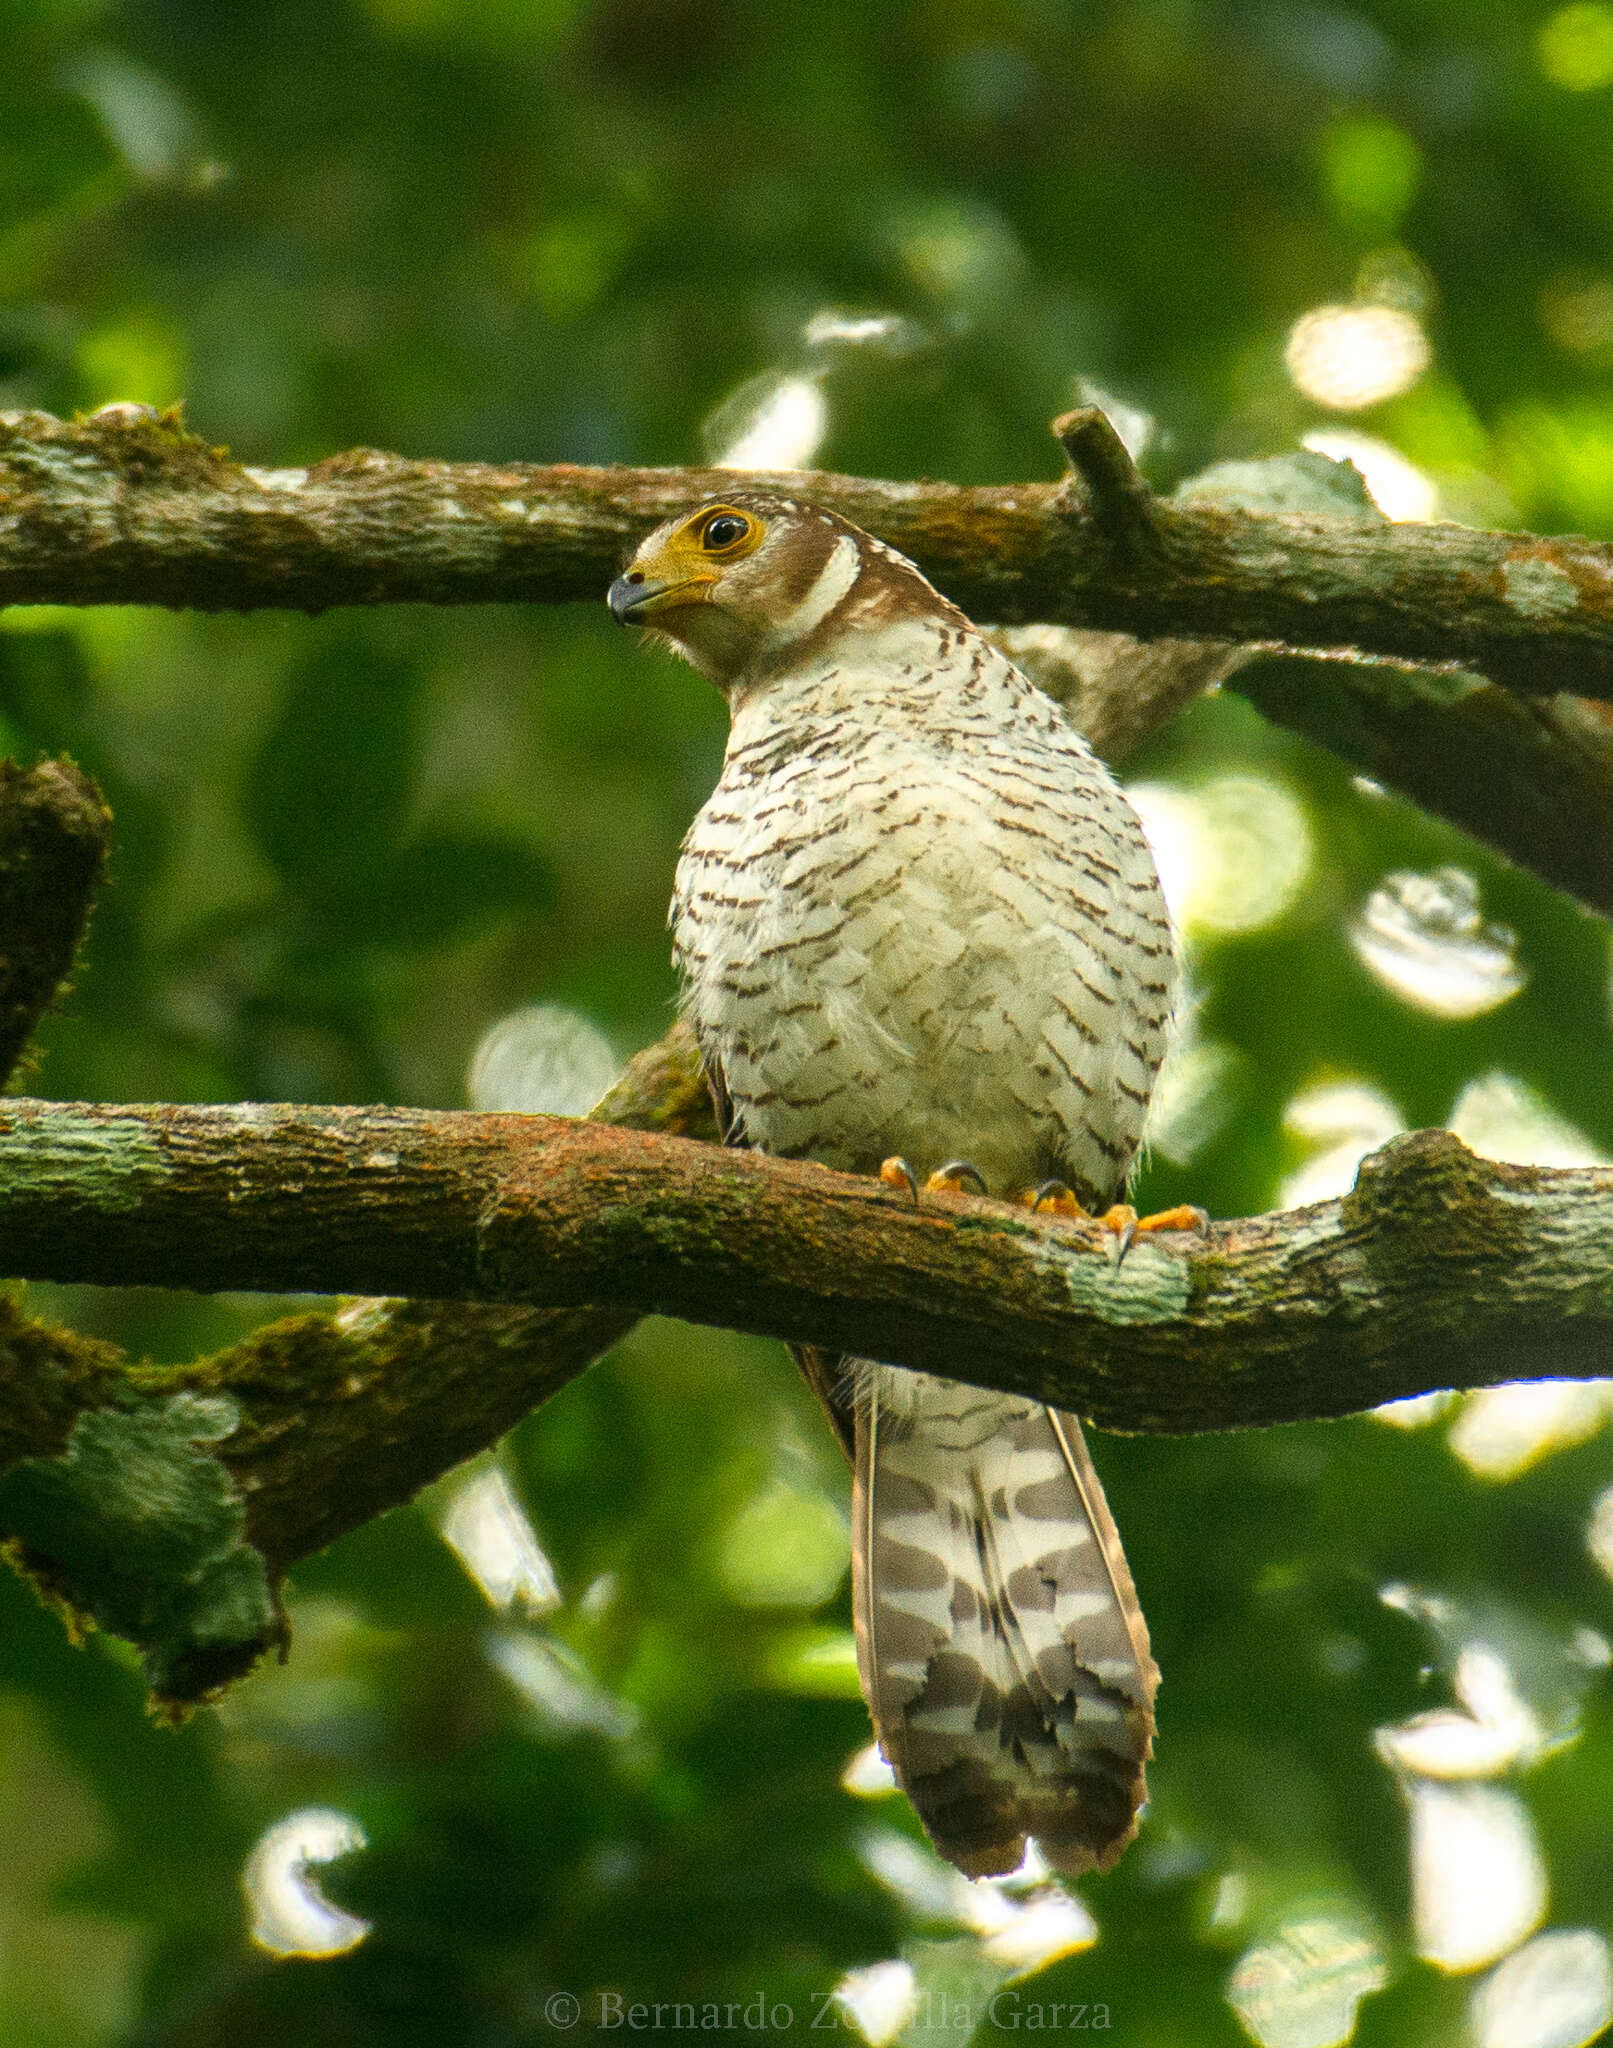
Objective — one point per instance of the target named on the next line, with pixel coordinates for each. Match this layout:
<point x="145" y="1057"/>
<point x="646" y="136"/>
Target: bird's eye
<point x="723" y="532"/>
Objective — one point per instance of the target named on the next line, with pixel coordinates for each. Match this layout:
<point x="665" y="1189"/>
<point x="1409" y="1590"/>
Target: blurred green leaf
<point x="443" y="889"/>
<point x="328" y="795"/>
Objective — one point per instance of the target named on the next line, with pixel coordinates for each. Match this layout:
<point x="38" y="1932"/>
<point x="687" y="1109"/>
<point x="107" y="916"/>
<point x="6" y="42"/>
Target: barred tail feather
<point x="1002" y="1649"/>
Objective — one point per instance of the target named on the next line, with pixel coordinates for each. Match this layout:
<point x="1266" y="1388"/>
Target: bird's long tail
<point x="1003" y="1653"/>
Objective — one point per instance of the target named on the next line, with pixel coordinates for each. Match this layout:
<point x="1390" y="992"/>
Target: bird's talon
<point x="1185" y="1216"/>
<point x="1060" y="1199"/>
<point x="896" y="1173"/>
<point x="950" y="1179"/>
<point x="1121" y="1222"/>
<point x="1126" y="1224"/>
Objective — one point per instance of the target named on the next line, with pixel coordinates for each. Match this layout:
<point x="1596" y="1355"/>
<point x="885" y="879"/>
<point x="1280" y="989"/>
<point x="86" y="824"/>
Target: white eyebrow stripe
<point x="827" y="588"/>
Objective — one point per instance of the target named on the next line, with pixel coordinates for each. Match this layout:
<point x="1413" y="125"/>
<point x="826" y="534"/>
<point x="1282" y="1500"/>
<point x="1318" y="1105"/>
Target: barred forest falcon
<point x="918" y="917"/>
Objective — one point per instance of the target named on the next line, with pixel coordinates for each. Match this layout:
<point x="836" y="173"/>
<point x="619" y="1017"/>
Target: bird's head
<point x="739" y="584"/>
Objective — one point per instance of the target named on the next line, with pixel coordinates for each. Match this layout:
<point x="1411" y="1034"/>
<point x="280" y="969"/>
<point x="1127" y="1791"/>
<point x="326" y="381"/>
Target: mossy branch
<point x="53" y="837"/>
<point x="166" y="1503"/>
<point x="112" y="1497"/>
<point x="1439" y="1270"/>
<point x="126" y="507"/>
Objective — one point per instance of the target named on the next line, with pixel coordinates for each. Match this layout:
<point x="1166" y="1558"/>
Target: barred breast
<point x="917" y="916"/>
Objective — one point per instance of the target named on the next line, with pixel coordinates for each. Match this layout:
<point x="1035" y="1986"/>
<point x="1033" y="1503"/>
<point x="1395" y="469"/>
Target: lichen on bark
<point x="139" y="1528"/>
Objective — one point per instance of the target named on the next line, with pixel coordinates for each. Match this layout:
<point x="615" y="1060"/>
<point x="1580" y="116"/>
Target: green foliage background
<point x="577" y="230"/>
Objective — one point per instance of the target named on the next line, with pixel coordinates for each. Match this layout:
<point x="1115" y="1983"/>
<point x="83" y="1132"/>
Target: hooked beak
<point x="635" y="597"/>
<point x="629" y="595"/>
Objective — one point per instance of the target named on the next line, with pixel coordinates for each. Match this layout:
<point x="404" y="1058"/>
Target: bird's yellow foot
<point x="952" y="1178"/>
<point x="1121" y="1219"/>
<point x="1126" y="1224"/>
<point x="896" y="1173"/>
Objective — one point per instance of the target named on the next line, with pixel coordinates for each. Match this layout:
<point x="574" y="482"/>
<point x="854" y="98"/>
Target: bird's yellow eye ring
<point x="723" y="531"/>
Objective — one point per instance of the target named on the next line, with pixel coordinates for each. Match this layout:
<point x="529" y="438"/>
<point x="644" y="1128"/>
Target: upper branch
<point x="127" y="508"/>
<point x="1439" y="1270"/>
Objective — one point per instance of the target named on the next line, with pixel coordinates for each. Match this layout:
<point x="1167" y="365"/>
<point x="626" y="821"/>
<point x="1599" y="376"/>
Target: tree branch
<point x="1439" y="1270"/>
<point x="53" y="834"/>
<point x="1530" y="777"/>
<point x="165" y="1504"/>
<point x="1120" y="502"/>
<point x="127" y="508"/>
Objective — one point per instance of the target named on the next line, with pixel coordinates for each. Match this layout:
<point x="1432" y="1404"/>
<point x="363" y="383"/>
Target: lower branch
<point x="165" y="1504"/>
<point x="1438" y="1270"/>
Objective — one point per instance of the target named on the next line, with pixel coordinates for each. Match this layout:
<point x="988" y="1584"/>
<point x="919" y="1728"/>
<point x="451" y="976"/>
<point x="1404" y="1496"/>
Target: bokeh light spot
<point x="1027" y="1934"/>
<point x="139" y="359"/>
<point x="565" y="1698"/>
<point x="1502" y="1431"/>
<point x="486" y="1528"/>
<point x="290" y="1914"/>
<point x="1398" y="488"/>
<point x="1349" y="357"/>
<point x="784" y="1549"/>
<point x="1233" y="853"/>
<point x="818" y="1662"/>
<point x="1344" y="1121"/>
<point x="1556" y="1992"/>
<point x="879" y="2000"/>
<point x="1500" y="1117"/>
<point x="1425" y="938"/>
<point x="540" y="1061"/>
<point x="1370" y="173"/>
<point x="1599" y="1530"/>
<point x="1577" y="312"/>
<point x="886" y="334"/>
<point x="1300" y="1987"/>
<point x="1575" y="46"/>
<point x="770" y="423"/>
<point x="1492" y="1730"/>
<point x="867" y="1775"/>
<point x="1478" y="1881"/>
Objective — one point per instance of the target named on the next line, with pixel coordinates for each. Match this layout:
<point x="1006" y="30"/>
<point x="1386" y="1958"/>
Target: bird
<point x="920" y="933"/>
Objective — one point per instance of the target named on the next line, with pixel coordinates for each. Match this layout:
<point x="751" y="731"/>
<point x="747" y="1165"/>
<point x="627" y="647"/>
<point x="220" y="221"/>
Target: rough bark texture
<point x="53" y="834"/>
<point x="126" y="507"/>
<point x="165" y="1504"/>
<point x="1530" y="777"/>
<point x="1440" y="1270"/>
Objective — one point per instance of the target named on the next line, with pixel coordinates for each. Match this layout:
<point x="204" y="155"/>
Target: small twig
<point x="1121" y="503"/>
